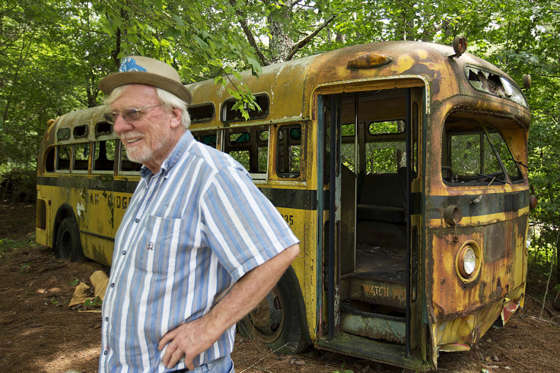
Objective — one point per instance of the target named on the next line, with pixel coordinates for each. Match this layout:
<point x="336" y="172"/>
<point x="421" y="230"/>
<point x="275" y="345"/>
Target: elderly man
<point x="199" y="245"/>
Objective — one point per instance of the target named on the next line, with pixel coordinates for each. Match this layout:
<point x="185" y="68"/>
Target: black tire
<point x="279" y="320"/>
<point x="68" y="243"/>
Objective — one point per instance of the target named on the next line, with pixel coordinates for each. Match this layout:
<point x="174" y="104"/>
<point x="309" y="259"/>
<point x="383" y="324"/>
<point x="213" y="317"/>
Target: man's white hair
<point x="166" y="98"/>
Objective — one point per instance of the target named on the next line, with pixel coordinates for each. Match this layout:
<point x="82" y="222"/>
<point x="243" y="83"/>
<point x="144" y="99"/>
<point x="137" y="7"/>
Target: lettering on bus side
<point x="122" y="202"/>
<point x="376" y="290"/>
<point x="288" y="218"/>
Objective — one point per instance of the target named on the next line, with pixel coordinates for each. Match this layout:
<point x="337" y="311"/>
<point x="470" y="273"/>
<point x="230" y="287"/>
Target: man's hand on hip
<point x="187" y="340"/>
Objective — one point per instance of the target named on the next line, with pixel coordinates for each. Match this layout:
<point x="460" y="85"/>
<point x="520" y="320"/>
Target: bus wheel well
<point x="66" y="235"/>
<point x="279" y="321"/>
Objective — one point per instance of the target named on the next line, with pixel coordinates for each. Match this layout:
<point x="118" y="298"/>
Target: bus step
<point x="373" y="325"/>
<point x="372" y="291"/>
<point x="364" y="348"/>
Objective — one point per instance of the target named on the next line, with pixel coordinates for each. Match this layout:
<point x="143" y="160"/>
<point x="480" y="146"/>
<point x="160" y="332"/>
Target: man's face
<point x="150" y="138"/>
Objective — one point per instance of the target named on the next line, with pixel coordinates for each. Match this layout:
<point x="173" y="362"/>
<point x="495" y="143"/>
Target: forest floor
<point x="40" y="333"/>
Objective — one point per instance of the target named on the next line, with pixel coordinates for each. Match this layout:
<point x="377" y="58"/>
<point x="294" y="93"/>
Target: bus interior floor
<point x="385" y="263"/>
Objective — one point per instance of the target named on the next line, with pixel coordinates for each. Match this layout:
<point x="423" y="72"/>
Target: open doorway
<point x="368" y="145"/>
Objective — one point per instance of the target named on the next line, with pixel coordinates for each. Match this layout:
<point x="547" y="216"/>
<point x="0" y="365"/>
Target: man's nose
<point x="121" y="125"/>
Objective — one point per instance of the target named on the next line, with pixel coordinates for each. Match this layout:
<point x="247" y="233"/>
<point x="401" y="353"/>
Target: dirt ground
<point x="39" y="333"/>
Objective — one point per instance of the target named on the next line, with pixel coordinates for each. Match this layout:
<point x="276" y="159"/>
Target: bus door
<point x="370" y="264"/>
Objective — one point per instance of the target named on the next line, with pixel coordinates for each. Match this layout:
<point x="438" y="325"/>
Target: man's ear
<point x="176" y="116"/>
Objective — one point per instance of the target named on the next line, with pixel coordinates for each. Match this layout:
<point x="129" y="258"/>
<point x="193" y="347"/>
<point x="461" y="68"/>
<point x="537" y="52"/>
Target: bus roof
<point x="294" y="81"/>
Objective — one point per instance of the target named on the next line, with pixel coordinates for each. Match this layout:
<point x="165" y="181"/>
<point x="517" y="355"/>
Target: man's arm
<point x="192" y="338"/>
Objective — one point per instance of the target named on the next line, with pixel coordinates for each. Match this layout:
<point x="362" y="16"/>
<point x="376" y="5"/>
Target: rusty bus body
<point x="399" y="166"/>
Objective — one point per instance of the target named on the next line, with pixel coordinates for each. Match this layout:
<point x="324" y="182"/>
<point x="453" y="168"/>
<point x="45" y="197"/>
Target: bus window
<point x="289" y="151"/>
<point x="127" y="165"/>
<point x="50" y="160"/>
<point x="231" y="114"/>
<point x="206" y="137"/>
<point x="63" y="134"/>
<point x="385" y="157"/>
<point x="249" y="146"/>
<point x="239" y="147"/>
<point x="104" y="156"/>
<point x="63" y="158"/>
<point x="262" y="145"/>
<point x="385" y="147"/>
<point x="103" y="128"/>
<point x="386" y="127"/>
<point x="81" y="156"/>
<point x="201" y="113"/>
<point x="348" y="149"/>
<point x="505" y="155"/>
<point x="476" y="157"/>
<point x="80" y="131"/>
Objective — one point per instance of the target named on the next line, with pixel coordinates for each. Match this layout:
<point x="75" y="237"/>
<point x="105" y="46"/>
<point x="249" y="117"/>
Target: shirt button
<point x="112" y="284"/>
<point x="137" y="220"/>
<point x="105" y="352"/>
<point x="106" y="318"/>
<point x="124" y="252"/>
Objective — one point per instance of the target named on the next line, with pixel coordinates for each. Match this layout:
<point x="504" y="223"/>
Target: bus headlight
<point x="468" y="261"/>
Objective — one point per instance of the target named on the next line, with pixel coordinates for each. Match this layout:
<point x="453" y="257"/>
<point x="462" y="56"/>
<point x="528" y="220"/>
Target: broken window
<point x="495" y="84"/>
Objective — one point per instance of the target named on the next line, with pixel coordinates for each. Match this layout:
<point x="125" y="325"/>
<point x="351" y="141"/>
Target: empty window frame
<point x="209" y="138"/>
<point x="50" y="159"/>
<point x="348" y="148"/>
<point x="104" y="156"/>
<point x="63" y="153"/>
<point x="103" y="128"/>
<point x="249" y="146"/>
<point x="230" y="112"/>
<point x="80" y="131"/>
<point x="63" y="134"/>
<point x="385" y="157"/>
<point x="80" y="157"/>
<point x="385" y="146"/>
<point x="201" y="113"/>
<point x="289" y="151"/>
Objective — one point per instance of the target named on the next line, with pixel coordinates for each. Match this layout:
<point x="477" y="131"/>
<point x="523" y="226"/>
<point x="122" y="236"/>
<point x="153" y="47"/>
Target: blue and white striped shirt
<point x="189" y="233"/>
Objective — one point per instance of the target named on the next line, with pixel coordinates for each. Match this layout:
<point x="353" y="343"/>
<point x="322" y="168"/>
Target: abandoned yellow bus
<point x="401" y="167"/>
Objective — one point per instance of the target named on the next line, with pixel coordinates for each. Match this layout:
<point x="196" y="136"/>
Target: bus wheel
<point x="67" y="243"/>
<point x="279" y="320"/>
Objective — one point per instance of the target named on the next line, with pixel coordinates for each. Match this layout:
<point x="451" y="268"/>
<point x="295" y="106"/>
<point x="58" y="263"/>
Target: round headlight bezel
<point x="468" y="261"/>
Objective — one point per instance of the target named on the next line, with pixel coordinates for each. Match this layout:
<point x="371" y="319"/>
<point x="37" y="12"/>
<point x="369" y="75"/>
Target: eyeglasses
<point x="129" y="115"/>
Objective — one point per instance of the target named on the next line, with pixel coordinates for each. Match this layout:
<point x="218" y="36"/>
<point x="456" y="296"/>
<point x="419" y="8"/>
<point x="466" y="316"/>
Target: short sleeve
<point x="242" y="227"/>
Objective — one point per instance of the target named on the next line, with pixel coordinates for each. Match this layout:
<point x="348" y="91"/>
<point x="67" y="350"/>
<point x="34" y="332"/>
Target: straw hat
<point x="144" y="70"/>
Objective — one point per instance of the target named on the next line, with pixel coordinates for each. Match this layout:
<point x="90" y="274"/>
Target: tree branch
<point x="248" y="33"/>
<point x="300" y="44"/>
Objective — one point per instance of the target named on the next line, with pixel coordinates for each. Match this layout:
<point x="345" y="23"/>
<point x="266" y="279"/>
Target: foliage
<point x="17" y="184"/>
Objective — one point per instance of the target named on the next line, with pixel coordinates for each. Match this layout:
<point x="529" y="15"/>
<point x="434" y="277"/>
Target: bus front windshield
<point x="478" y="156"/>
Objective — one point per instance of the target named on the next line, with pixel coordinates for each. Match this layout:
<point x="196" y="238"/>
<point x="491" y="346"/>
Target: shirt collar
<point x="180" y="148"/>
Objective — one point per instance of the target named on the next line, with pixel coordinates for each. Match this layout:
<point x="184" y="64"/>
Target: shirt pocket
<point x="157" y="247"/>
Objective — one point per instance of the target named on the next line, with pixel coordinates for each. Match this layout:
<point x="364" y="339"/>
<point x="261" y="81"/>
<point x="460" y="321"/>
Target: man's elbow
<point x="292" y="252"/>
